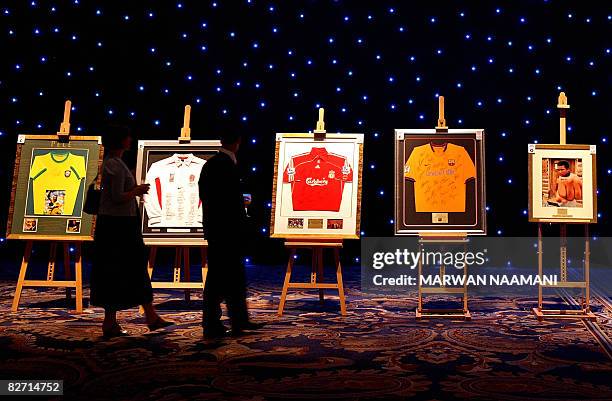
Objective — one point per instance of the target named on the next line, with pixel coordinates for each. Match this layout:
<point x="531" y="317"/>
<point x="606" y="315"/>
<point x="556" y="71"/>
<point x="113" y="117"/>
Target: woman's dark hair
<point x="113" y="137"/>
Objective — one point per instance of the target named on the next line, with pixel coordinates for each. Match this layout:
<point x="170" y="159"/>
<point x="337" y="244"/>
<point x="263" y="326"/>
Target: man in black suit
<point x="225" y="222"/>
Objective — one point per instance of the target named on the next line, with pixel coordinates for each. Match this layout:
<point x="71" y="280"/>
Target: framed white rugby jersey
<point x="171" y="212"/>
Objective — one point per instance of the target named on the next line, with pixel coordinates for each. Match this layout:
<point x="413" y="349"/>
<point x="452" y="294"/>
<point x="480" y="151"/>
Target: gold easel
<point x="585" y="311"/>
<point x="63" y="135"/>
<point x="317" y="246"/>
<point x="441" y="238"/>
<point x="182" y="250"/>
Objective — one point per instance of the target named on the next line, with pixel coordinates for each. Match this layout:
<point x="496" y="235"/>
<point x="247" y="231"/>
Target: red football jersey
<point x="317" y="180"/>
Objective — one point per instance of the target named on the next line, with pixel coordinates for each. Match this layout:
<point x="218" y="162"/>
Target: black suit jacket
<point x="224" y="217"/>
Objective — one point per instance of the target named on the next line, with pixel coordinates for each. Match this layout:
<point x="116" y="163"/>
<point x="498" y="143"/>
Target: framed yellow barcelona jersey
<point x="50" y="181"/>
<point x="439" y="181"/>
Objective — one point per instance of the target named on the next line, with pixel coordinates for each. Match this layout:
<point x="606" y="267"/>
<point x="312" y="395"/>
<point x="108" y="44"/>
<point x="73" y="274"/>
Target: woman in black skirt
<point x="119" y="278"/>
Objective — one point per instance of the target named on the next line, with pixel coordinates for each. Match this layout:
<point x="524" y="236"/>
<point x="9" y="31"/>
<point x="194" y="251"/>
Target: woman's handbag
<point x="92" y="199"/>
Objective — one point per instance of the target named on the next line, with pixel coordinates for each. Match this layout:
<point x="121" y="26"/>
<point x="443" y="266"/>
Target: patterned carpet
<point x="379" y="351"/>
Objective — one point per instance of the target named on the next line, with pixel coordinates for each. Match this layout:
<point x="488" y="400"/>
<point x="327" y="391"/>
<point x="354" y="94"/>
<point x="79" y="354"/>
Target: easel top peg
<point x="64" y="130"/>
<point x="320" y="127"/>
<point x="441" y="125"/>
<point x="562" y="106"/>
<point x="186" y="131"/>
<point x="562" y="102"/>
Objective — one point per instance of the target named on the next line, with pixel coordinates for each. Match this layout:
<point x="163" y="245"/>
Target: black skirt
<point x="119" y="278"/>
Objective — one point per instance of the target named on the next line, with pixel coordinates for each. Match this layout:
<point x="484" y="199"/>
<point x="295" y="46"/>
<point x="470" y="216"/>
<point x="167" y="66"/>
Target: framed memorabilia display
<point x="317" y="186"/>
<point x="439" y="181"/>
<point x="562" y="183"/>
<point x="171" y="213"/>
<point x="50" y="181"/>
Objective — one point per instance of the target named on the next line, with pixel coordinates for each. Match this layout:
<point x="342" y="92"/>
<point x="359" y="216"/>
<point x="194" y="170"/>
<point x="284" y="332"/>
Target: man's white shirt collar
<point x="231" y="154"/>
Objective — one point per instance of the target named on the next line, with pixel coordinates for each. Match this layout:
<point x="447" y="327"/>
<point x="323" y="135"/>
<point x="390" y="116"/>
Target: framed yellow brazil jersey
<point x="439" y="181"/>
<point x="49" y="185"/>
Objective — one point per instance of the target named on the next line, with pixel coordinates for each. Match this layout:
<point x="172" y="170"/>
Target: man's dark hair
<point x="114" y="135"/>
<point x="564" y="163"/>
<point x="229" y="138"/>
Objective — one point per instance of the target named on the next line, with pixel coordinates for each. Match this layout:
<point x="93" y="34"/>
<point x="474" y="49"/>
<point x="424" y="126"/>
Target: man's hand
<point x="141" y="189"/>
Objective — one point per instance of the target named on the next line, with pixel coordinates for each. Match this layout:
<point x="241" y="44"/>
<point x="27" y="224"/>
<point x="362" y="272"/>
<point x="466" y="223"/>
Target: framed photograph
<point x="562" y="183"/>
<point x="317" y="186"/>
<point x="73" y="226"/>
<point x="171" y="213"/>
<point x="30" y="225"/>
<point x="440" y="181"/>
<point x="50" y="181"/>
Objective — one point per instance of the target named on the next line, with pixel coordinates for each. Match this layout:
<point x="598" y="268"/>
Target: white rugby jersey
<point x="173" y="199"/>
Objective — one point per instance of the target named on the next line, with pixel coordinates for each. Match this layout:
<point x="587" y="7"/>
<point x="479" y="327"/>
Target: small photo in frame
<point x="30" y="225"/>
<point x="73" y="226"/>
<point x="562" y="182"/>
<point x="294" y="224"/>
<point x="334" y="224"/>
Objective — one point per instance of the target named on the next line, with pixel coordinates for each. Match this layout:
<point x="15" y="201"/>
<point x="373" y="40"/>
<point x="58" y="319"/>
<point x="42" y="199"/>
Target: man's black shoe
<point x="249" y="326"/>
<point x="214" y="332"/>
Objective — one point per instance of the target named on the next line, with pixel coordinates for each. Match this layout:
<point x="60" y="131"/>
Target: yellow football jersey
<point x="439" y="174"/>
<point x="56" y="181"/>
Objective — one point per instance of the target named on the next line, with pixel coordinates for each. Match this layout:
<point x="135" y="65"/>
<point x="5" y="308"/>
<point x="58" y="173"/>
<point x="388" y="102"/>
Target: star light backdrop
<point x="262" y="67"/>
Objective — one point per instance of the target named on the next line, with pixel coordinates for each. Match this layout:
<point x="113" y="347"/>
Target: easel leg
<point x="22" y="273"/>
<point x="52" y="259"/>
<point x="320" y="274"/>
<point x="177" y="266"/>
<point x="465" y="290"/>
<point x="563" y="252"/>
<point x="340" y="282"/>
<point x="67" y="273"/>
<point x="587" y="267"/>
<point x="283" y="298"/>
<point x="314" y="266"/>
<point x="204" y="255"/>
<point x="420" y="294"/>
<point x="78" y="273"/>
<point x="540" y="268"/>
<point x="187" y="271"/>
<point x="151" y="262"/>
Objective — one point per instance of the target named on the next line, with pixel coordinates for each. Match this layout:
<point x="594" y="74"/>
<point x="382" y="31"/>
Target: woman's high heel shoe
<point x="115" y="331"/>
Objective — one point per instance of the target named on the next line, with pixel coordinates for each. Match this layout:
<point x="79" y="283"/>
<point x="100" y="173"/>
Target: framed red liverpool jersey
<point x="317" y="186"/>
<point x="439" y="181"/>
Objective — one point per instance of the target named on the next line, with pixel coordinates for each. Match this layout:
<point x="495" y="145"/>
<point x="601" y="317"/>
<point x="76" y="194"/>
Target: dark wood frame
<point x="480" y="188"/>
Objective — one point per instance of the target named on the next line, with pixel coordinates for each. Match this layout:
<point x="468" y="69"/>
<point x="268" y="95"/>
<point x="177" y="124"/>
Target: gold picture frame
<point x="284" y="225"/>
<point x="576" y="201"/>
<point x="52" y="227"/>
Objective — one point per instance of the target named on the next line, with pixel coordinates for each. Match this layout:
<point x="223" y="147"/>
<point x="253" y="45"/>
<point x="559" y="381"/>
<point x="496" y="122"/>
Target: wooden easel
<point x="181" y="262"/>
<point x="63" y="136"/>
<point x="585" y="310"/>
<point x="316" y="275"/>
<point x="316" y="246"/>
<point x="441" y="238"/>
<point x="182" y="249"/>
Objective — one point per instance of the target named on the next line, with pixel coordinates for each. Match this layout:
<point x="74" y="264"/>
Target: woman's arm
<point x="117" y="184"/>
